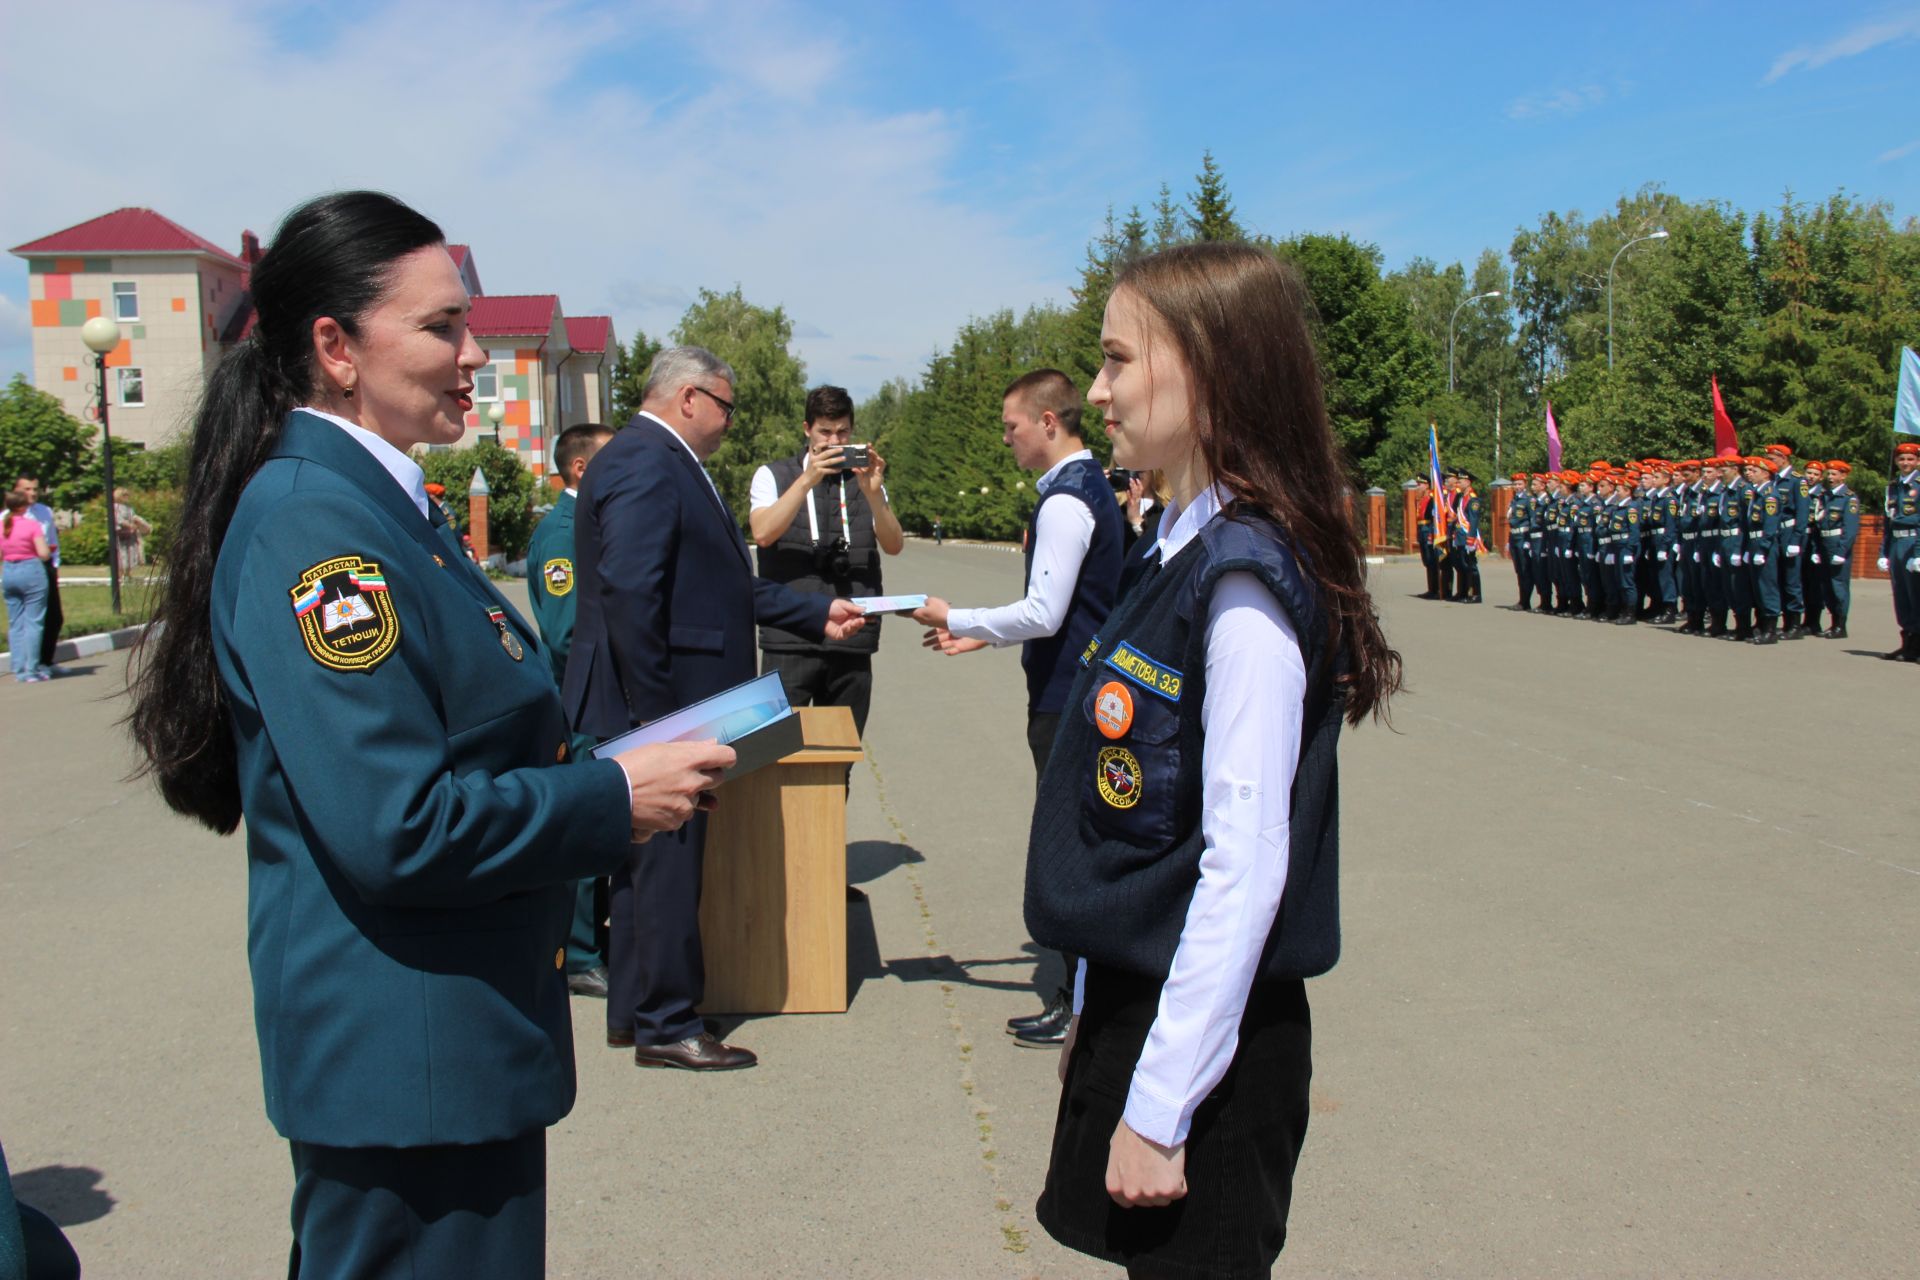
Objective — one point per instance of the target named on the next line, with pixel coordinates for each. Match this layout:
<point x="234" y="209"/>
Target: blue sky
<point x="884" y="171"/>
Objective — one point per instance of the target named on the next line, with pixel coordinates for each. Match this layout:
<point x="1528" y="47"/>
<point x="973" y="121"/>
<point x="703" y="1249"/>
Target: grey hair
<point x="678" y="367"/>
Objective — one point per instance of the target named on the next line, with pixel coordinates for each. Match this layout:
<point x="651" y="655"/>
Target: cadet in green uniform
<point x="550" y="592"/>
<point x="1760" y="529"/>
<point x="1900" y="548"/>
<point x="1520" y="528"/>
<point x="1425" y="500"/>
<point x="1836" y="531"/>
<point x="1813" y="573"/>
<point x="332" y="669"/>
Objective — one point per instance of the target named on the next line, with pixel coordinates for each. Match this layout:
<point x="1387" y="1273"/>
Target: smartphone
<point x="855" y="457"/>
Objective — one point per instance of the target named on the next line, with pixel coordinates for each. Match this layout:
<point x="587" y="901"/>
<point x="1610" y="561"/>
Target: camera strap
<point x="813" y="516"/>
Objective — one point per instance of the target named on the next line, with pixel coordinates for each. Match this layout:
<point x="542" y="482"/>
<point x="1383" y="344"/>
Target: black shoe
<point x="1834" y="633"/>
<point x="1028" y="1021"/>
<point x="1051" y="1031"/>
<point x="1428" y="595"/>
<point x="1667" y="617"/>
<point x="589" y="982"/>
<point x="1625" y="620"/>
<point x="703" y="1052"/>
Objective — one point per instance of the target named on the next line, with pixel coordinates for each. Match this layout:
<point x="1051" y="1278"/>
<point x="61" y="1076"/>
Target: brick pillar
<point x="1410" y="520"/>
<point x="1866" y="547"/>
<point x="1377" y="520"/>
<point x="478" y="494"/>
<point x="1502" y="501"/>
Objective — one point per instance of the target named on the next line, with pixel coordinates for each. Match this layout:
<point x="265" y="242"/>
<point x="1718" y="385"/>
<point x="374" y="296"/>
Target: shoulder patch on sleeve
<point x="346" y="618"/>
<point x="557" y="573"/>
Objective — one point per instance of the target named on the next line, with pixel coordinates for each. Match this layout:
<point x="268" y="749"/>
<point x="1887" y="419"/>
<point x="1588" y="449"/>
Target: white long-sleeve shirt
<point x="1061" y="538"/>
<point x="1251" y="720"/>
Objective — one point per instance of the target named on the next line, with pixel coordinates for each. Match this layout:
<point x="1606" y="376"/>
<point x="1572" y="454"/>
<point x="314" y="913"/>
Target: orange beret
<point x="1907" y="449"/>
<point x="1780" y="449"/>
<point x="1518" y="475"/>
<point x="1812" y="464"/>
<point x="436" y="489"/>
<point x="1841" y="467"/>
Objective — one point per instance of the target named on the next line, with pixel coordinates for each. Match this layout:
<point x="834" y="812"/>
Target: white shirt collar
<point x="1045" y="482"/>
<point x="656" y="418"/>
<point x="404" y="470"/>
<point x="1179" y="525"/>
<point x="573" y="493"/>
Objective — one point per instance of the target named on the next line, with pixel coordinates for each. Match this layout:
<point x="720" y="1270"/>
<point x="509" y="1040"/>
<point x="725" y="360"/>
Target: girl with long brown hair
<point x="1186" y="835"/>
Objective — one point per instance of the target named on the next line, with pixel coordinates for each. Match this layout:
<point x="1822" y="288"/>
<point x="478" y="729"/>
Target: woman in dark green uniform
<point x="334" y="670"/>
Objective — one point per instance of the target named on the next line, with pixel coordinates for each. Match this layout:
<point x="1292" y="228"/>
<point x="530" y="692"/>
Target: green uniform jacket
<point x="410" y="830"/>
<point x="550" y="581"/>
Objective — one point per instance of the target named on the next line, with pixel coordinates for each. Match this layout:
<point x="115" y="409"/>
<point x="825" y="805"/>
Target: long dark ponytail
<point x="331" y="257"/>
<point x="1241" y="320"/>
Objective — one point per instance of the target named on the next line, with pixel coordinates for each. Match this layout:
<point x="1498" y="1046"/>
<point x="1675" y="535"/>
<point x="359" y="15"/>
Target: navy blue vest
<point x="1116" y="841"/>
<point x="1050" y="661"/>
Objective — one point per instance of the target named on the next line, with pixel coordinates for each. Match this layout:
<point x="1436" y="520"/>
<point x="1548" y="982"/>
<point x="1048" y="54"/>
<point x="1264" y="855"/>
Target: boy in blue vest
<point x="1073" y="556"/>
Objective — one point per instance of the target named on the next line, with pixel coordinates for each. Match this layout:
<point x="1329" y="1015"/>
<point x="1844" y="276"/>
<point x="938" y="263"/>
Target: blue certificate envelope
<point x="754" y="719"/>
<point x="890" y="604"/>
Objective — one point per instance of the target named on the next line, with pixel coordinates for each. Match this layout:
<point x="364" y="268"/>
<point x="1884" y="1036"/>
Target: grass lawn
<point x="89" y="609"/>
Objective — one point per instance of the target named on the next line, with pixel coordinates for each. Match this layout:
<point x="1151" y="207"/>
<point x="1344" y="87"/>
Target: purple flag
<point x="1553" y="440"/>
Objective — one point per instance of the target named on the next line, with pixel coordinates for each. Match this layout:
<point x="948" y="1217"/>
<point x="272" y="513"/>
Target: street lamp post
<point x="496" y="414"/>
<point x="101" y="336"/>
<point x="1491" y="293"/>
<point x="1660" y="234"/>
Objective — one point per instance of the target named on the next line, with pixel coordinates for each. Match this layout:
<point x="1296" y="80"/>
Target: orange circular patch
<point x="1113" y="709"/>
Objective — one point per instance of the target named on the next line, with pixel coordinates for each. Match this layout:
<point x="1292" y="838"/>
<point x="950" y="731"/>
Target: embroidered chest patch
<point x="558" y="573"/>
<point x="347" y="621"/>
<point x="1153" y="676"/>
<point x="1117" y="777"/>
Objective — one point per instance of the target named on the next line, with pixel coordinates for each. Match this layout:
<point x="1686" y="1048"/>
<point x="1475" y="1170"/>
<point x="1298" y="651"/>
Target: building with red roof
<point x="182" y="303"/>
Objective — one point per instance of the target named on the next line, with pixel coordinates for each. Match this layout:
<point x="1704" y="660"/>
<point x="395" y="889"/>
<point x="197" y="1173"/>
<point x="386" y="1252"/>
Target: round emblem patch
<point x="1113" y="709"/>
<point x="1117" y="775"/>
<point x="559" y="575"/>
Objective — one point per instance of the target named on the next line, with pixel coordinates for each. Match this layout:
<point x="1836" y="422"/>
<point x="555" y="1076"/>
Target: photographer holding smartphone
<point x="821" y="522"/>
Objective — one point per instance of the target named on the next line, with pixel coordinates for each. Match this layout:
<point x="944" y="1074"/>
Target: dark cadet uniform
<point x="1900" y="546"/>
<point x="1466" y="538"/>
<point x="1836" y="528"/>
<point x="1760" y="530"/>
<point x="550" y="581"/>
<point x="1429" y="554"/>
<point x="1624" y="522"/>
<point x="1519" y="541"/>
<point x="1585" y="548"/>
<point x="1790" y="497"/>
<point x="413" y="832"/>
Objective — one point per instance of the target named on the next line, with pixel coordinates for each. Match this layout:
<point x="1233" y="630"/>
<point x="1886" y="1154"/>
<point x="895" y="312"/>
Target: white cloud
<point x="1898" y="153"/>
<point x="1857" y="40"/>
<point x="623" y="155"/>
<point x="1557" y="102"/>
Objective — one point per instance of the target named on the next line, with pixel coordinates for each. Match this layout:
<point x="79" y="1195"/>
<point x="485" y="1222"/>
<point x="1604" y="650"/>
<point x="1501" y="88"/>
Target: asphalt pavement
<point x="1631" y="986"/>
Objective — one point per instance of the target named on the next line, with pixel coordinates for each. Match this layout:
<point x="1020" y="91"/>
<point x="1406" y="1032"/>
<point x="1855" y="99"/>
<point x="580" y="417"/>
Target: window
<point x="126" y="300"/>
<point x="486" y="383"/>
<point x="566" y="395"/>
<point x="131" y="387"/>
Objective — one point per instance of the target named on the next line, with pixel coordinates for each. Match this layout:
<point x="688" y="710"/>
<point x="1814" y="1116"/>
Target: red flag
<point x="1725" y="443"/>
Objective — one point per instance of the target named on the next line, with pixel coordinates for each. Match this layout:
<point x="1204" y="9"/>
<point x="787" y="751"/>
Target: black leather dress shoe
<point x="591" y="982"/>
<point x="1050" y="1032"/>
<point x="703" y="1052"/>
<point x="1027" y="1020"/>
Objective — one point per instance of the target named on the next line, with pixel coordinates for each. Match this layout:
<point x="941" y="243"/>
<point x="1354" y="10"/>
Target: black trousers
<point x="1041" y="727"/>
<point x="826" y="679"/>
<point x="656" y="975"/>
<point x="468" y="1212"/>
<point x="56" y="616"/>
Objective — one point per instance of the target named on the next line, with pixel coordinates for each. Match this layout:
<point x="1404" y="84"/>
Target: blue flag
<point x="1906" y="403"/>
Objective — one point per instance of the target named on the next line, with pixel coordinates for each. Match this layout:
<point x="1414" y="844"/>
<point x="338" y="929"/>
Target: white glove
<point x="1913" y="565"/>
<point x="1626" y="559"/>
<point x="1839" y="559"/>
<point x="1696" y="557"/>
<point x="1816" y="557"/>
<point x="1792" y="550"/>
<point x="1883" y="564"/>
<point x="1758" y="559"/>
<point x="1609" y="557"/>
<point x="1660" y="555"/>
<point x="1716" y="559"/>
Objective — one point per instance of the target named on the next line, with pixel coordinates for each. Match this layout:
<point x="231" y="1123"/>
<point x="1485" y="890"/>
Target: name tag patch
<point x="1154" y="677"/>
<point x="1117" y="777"/>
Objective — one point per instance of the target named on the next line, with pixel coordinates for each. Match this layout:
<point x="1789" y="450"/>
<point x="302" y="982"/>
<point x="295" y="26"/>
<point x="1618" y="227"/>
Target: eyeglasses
<point x="726" y="406"/>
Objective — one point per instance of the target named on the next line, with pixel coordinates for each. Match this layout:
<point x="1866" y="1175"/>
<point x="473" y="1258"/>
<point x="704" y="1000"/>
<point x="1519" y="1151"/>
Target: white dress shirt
<point x="765" y="491"/>
<point x="404" y="470"/>
<point x="654" y="417"/>
<point x="1061" y="538"/>
<point x="1251" y="720"/>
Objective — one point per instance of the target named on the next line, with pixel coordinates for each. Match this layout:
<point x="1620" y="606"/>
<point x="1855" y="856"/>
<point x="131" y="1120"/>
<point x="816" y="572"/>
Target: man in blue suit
<point x="667" y="606"/>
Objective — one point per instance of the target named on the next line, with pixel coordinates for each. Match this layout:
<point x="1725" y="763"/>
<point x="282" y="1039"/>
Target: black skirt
<point x="1241" y="1148"/>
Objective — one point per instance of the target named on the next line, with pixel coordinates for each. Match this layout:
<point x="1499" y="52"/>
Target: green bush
<point x="509" y="509"/>
<point x="86" y="542"/>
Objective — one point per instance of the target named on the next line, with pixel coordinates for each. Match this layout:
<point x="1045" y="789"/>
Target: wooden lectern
<point x="773" y="906"/>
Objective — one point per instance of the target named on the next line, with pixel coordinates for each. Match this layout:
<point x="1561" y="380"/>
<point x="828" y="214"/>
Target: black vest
<point x="1049" y="661"/>
<point x="1116" y="842"/>
<point x="791" y="559"/>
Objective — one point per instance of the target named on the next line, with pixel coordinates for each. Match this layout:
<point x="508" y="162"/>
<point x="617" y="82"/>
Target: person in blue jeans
<point x="24" y="578"/>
